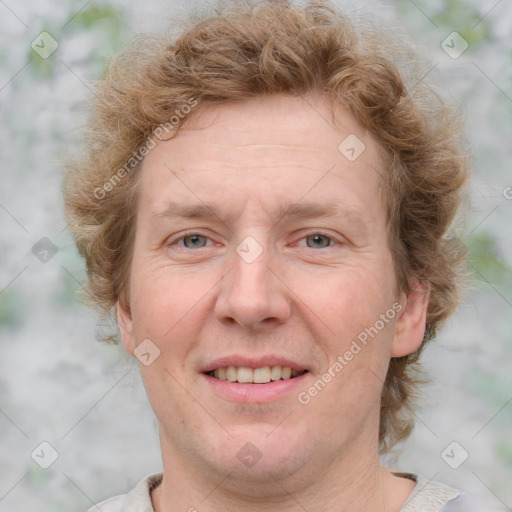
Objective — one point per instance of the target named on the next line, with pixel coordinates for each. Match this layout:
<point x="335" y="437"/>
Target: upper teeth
<point x="254" y="375"/>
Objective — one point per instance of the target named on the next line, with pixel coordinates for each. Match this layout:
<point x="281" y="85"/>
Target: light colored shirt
<point x="427" y="496"/>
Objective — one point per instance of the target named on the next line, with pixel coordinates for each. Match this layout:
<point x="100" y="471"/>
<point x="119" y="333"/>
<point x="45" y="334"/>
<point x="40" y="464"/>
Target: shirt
<point x="427" y="496"/>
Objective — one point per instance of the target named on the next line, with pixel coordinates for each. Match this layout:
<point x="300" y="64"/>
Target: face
<point x="262" y="290"/>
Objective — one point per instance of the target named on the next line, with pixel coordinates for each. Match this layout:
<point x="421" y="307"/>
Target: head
<point x="191" y="210"/>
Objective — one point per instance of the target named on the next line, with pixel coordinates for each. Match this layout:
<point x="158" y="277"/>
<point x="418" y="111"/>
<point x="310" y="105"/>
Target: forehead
<point x="270" y="125"/>
<point x="279" y="146"/>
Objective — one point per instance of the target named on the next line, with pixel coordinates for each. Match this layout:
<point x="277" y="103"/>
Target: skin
<point x="304" y="297"/>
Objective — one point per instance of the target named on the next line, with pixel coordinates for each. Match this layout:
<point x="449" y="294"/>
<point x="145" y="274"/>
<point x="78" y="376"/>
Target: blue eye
<point x="319" y="241"/>
<point x="195" y="241"/>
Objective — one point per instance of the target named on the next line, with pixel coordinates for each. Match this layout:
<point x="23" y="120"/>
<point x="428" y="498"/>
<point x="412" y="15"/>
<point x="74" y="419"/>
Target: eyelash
<point x="312" y="233"/>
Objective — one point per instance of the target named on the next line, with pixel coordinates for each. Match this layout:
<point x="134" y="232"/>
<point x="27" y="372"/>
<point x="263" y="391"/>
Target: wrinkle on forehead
<point x="250" y="144"/>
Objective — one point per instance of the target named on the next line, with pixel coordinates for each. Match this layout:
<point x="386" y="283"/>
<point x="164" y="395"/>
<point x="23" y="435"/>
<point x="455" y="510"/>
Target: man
<point x="264" y="206"/>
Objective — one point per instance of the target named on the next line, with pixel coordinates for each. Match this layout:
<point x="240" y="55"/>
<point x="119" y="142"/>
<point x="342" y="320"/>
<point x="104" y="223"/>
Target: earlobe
<point x="125" y="323"/>
<point x="411" y="321"/>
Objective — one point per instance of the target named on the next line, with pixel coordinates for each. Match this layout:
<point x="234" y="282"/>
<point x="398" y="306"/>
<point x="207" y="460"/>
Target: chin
<point x="259" y="455"/>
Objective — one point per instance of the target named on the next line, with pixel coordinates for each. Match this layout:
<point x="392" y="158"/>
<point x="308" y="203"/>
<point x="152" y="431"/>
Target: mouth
<point x="261" y="375"/>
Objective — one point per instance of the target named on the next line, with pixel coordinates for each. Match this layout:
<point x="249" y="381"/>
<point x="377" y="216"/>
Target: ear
<point x="411" y="321"/>
<point x="125" y="323"/>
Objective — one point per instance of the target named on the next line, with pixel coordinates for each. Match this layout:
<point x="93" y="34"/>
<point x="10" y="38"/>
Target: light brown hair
<point x="270" y="48"/>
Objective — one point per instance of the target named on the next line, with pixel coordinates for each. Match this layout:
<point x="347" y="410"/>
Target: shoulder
<point x="465" y="502"/>
<point x="137" y="500"/>
<point x="115" y="504"/>
<point x="433" y="496"/>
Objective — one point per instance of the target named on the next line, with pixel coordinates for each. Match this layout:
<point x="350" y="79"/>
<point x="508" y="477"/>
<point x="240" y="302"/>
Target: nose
<point x="252" y="295"/>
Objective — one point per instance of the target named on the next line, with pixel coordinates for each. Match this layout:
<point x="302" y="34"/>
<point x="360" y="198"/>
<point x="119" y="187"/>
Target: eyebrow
<point x="298" y="210"/>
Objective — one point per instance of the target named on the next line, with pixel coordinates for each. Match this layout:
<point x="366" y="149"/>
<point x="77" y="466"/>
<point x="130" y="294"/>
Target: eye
<point x="198" y="241"/>
<point x="318" y="241"/>
<point x="194" y="241"/>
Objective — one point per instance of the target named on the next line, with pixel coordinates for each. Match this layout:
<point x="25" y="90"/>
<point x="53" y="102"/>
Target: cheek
<point x="348" y="298"/>
<point x="168" y="305"/>
<point x="348" y="303"/>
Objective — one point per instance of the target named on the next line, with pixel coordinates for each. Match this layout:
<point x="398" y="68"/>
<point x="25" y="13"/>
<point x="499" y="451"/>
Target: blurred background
<point x="75" y="426"/>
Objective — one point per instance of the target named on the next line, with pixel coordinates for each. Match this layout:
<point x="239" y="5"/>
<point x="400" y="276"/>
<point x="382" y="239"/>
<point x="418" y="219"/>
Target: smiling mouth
<point x="263" y="375"/>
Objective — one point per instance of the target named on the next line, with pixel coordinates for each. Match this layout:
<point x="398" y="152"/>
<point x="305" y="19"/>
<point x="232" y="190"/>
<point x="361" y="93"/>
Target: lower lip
<point x="255" y="393"/>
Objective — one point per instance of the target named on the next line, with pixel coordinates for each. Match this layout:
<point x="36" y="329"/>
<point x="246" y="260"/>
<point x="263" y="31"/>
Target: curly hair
<point x="273" y="47"/>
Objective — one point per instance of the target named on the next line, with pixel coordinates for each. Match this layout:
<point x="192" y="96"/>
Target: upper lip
<point x="253" y="362"/>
